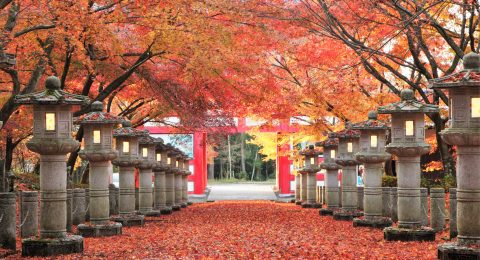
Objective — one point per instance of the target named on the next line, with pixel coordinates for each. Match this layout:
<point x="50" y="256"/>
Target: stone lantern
<point x="310" y="172"/>
<point x="126" y="140"/>
<point x="170" y="177"/>
<point x="178" y="179"/>
<point x="52" y="140"/>
<point x="348" y="145"/>
<point x="464" y="132"/>
<point x="98" y="150"/>
<point x="147" y="162"/>
<point x="159" y="169"/>
<point x="330" y="146"/>
<point x="186" y="173"/>
<point x="408" y="144"/>
<point x="372" y="154"/>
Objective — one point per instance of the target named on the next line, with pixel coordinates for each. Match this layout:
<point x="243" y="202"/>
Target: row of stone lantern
<point x="134" y="148"/>
<point x="365" y="143"/>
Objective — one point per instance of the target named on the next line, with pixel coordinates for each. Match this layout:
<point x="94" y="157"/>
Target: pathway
<point x="241" y="191"/>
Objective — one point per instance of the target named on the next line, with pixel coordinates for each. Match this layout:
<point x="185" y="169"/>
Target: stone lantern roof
<point x="146" y="139"/>
<point x="371" y="124"/>
<point x="158" y="141"/>
<point x="128" y="131"/>
<point x="347" y="133"/>
<point x="52" y="95"/>
<point x="97" y="116"/>
<point x="468" y="77"/>
<point x="331" y="141"/>
<point x="408" y="104"/>
<point x="310" y="151"/>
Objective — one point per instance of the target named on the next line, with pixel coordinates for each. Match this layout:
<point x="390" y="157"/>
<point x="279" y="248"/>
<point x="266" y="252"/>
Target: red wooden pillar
<point x="283" y="169"/>
<point x="199" y="176"/>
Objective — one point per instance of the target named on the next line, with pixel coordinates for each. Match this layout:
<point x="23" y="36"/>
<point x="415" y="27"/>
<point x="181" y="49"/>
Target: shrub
<point x="389" y="181"/>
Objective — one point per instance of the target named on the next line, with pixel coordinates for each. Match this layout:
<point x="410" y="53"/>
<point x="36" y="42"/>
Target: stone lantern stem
<point x="409" y="215"/>
<point x="99" y="193"/>
<point x="311" y="188"/>
<point x="468" y="194"/>
<point x="332" y="189"/>
<point x="145" y="190"/>
<point x="373" y="205"/>
<point x="185" y="190"/>
<point x="178" y="189"/>
<point x="349" y="188"/>
<point x="170" y="189"/>
<point x="303" y="187"/>
<point x="53" y="196"/>
<point x="159" y="199"/>
<point x="127" y="190"/>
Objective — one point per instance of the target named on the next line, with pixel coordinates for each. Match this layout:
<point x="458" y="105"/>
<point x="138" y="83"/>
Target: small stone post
<point x="332" y="191"/>
<point x="8" y="224"/>
<point x="348" y="145"/>
<point x="386" y="202"/>
<point x="453" y="213"/>
<point x="69" y="210"/>
<point x="186" y="173"/>
<point x="408" y="144"/>
<point x="52" y="140"/>
<point x="98" y="150"/>
<point x="437" y="209"/>
<point x="78" y="209"/>
<point x="393" y="204"/>
<point x="29" y="214"/>
<point x="112" y="199"/>
<point x="126" y="139"/>
<point x="360" y="197"/>
<point x="298" y="190"/>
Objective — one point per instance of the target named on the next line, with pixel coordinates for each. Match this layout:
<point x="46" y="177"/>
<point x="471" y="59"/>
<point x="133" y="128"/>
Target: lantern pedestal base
<point x="71" y="244"/>
<point x="455" y="251"/>
<point x="165" y="211"/>
<point x="327" y="211"/>
<point x="298" y="202"/>
<point x="129" y="220"/>
<point x="176" y="207"/>
<point x="107" y="230"/>
<point x="183" y="205"/>
<point x="347" y="215"/>
<point x="311" y="205"/>
<point x="150" y="213"/>
<point x="375" y="222"/>
<point x="404" y="234"/>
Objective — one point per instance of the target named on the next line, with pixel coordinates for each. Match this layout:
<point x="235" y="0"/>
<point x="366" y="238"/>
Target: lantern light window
<point x="332" y="154"/>
<point x="373" y="141"/>
<point x="50" y="121"/>
<point x="126" y="147"/>
<point x="145" y="152"/>
<point x="409" y="128"/>
<point x="350" y="147"/>
<point x="476" y="107"/>
<point x="96" y="136"/>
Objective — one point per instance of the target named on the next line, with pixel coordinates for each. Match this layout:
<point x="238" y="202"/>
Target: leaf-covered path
<point x="252" y="229"/>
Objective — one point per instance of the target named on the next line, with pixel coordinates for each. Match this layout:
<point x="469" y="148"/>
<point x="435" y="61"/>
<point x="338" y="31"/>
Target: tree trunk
<point x="229" y="158"/>
<point x="242" y="152"/>
<point x="211" y="171"/>
<point x="9" y="147"/>
<point x="254" y="165"/>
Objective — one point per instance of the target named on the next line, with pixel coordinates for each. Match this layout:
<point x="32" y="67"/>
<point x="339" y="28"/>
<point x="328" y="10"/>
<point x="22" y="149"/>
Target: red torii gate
<point x="199" y="176"/>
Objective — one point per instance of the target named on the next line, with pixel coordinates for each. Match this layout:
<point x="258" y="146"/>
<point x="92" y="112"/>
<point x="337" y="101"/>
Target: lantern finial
<point x="126" y="123"/>
<point x="471" y="61"/>
<point x="407" y="94"/>
<point x="52" y="83"/>
<point x="97" y="106"/>
<point x="373" y="115"/>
